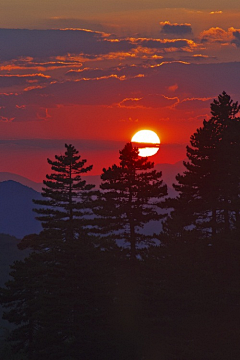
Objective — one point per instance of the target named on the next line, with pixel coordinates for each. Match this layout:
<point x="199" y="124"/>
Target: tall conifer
<point x="131" y="197"/>
<point x="66" y="204"/>
<point x="209" y="188"/>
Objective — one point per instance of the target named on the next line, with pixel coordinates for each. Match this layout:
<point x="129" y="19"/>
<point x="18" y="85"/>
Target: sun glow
<point x="147" y="142"/>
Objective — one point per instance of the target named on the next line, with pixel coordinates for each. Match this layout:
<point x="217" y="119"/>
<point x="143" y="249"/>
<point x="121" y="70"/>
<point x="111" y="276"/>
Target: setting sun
<point x="147" y="142"/>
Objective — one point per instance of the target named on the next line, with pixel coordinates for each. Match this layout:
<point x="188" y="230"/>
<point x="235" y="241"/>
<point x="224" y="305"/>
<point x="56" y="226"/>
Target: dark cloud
<point x="57" y="48"/>
<point x="175" y="29"/>
<point x="53" y="144"/>
<point x="76" y="23"/>
<point x="165" y="44"/>
<point x="23" y="80"/>
<point x="197" y="58"/>
<point x="53" y="43"/>
<point x="236" y="41"/>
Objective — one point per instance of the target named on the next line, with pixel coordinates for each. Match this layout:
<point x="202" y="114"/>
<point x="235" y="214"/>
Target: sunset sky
<point x="92" y="73"/>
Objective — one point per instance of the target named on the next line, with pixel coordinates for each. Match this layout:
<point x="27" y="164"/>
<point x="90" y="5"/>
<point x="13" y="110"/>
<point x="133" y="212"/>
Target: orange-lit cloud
<point x="149" y="101"/>
<point x="173" y="88"/>
<point x="180" y="44"/>
<point x="218" y="35"/>
<point x="194" y="104"/>
<point x="216" y="12"/>
<point x="9" y="80"/>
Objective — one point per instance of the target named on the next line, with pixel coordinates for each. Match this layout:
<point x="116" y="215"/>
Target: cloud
<point x="42" y="44"/>
<point x="149" y="101"/>
<point x="31" y="64"/>
<point x="175" y="29"/>
<point x="194" y="104"/>
<point x="121" y="72"/>
<point x="216" y="12"/>
<point x="236" y="39"/>
<point x="58" y="144"/>
<point x="23" y="80"/>
<point x="217" y="35"/>
<point x="57" y="22"/>
<point x="23" y="113"/>
<point x="172" y="88"/>
<point x="58" y="48"/>
<point x="198" y="58"/>
<point x="166" y="44"/>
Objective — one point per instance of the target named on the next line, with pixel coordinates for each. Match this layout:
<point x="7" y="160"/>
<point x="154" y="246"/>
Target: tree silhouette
<point x="66" y="195"/>
<point x="208" y="200"/>
<point x="131" y="197"/>
<point x="60" y="296"/>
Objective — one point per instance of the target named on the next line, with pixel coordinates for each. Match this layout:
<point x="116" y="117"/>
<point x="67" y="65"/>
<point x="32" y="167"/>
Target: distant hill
<point x="169" y="171"/>
<point x="4" y="176"/>
<point x="16" y="215"/>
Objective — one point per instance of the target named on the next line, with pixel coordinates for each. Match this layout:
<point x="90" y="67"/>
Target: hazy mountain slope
<point x="169" y="171"/>
<point x="16" y="215"/>
<point x="4" y="176"/>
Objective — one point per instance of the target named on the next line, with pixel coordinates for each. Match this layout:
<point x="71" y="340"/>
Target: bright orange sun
<point x="147" y="142"/>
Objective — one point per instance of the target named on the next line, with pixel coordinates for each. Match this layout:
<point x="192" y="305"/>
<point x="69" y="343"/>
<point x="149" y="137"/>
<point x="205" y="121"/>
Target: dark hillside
<point x="16" y="215"/>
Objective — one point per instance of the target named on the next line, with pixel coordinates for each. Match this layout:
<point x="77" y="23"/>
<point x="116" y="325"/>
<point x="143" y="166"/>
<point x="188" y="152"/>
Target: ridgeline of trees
<point x="95" y="287"/>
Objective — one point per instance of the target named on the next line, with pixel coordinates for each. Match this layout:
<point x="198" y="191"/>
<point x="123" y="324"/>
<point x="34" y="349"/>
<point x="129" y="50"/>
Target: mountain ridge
<point x="6" y="176"/>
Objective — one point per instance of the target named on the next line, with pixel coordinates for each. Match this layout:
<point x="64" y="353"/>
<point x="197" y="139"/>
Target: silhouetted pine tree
<point x="209" y="188"/>
<point x="66" y="195"/>
<point x="131" y="197"/>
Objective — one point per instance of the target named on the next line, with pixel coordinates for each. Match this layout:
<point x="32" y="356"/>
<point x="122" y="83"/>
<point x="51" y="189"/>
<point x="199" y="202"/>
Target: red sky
<point x="94" y="79"/>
